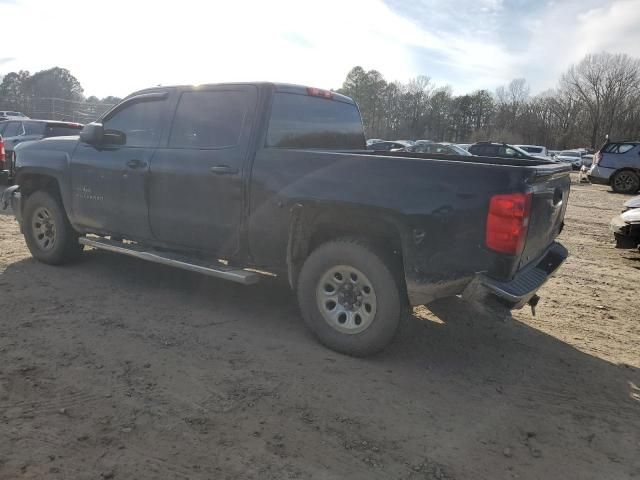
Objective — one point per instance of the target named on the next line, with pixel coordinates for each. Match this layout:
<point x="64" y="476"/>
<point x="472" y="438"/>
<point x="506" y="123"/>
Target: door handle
<point x="224" y="170"/>
<point x="135" y="163"/>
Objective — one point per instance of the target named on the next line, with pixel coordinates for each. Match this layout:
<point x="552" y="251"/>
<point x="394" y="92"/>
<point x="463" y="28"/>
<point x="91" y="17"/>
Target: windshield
<point x="532" y="149"/>
<point x="459" y="150"/>
<point x="520" y="150"/>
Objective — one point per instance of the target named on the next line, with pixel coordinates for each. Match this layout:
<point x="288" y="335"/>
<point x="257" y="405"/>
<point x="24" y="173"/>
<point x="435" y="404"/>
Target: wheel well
<point x="33" y="182"/>
<point x="381" y="234"/>
<point x="630" y="169"/>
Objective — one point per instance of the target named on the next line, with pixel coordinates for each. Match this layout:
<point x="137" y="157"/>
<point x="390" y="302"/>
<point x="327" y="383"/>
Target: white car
<point x="574" y="157"/>
<point x="536" y="151"/>
<point x="10" y="115"/>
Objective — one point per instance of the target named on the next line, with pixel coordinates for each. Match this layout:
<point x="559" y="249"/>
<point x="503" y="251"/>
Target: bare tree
<point x="604" y="82"/>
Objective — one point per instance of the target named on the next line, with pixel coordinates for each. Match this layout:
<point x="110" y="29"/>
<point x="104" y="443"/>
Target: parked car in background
<point x="587" y="160"/>
<point x="422" y="142"/>
<point x="553" y="153"/>
<point x="573" y="157"/>
<point x="15" y="132"/>
<point x="387" y="146"/>
<point x="617" y="164"/>
<point x="440" y="148"/>
<point x="494" y="149"/>
<point x="626" y="226"/>
<point x="9" y="115"/>
<point x="374" y="140"/>
<point x="535" y="150"/>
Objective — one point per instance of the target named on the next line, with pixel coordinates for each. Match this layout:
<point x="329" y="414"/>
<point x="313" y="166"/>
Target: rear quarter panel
<point x="439" y="207"/>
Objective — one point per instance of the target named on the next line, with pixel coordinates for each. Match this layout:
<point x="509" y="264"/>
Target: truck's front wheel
<point x="49" y="235"/>
<point x="350" y="297"/>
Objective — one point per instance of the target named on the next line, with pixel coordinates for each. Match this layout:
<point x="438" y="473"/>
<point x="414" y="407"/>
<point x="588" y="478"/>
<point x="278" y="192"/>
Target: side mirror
<point x="92" y="133"/>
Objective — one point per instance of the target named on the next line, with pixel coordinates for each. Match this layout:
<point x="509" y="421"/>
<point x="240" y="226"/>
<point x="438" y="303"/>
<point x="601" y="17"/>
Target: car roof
<point x="278" y="86"/>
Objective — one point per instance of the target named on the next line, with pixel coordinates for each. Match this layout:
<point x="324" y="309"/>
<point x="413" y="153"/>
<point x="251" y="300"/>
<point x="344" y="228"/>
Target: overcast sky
<point x="114" y="47"/>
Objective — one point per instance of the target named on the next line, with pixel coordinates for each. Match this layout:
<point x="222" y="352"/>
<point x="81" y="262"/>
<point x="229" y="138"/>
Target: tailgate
<point x="550" y="188"/>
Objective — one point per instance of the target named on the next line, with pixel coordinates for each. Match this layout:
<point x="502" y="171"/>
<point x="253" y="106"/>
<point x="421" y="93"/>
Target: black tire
<point x="380" y="327"/>
<point x="625" y="181"/>
<point x="43" y="213"/>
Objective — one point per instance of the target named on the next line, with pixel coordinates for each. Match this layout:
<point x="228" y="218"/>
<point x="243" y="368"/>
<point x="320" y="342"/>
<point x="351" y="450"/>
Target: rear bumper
<point x="525" y="284"/>
<point x="600" y="175"/>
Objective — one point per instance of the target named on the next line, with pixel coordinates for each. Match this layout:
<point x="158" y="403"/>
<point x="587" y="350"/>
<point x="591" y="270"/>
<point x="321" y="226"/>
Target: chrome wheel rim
<point x="44" y="229"/>
<point x="346" y="299"/>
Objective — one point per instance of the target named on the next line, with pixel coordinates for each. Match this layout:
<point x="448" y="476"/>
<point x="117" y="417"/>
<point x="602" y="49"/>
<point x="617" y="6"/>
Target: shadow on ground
<point x="193" y="365"/>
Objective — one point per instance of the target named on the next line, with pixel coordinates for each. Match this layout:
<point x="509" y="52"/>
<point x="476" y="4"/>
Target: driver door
<point x="109" y="180"/>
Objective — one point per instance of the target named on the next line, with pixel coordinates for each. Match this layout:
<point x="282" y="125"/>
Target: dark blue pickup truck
<point x="232" y="180"/>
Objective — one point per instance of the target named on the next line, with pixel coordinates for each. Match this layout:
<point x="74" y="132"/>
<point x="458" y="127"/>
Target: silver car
<point x="617" y="164"/>
<point x="574" y="157"/>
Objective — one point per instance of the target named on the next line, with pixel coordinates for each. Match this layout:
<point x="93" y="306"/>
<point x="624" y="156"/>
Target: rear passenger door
<point x="196" y="193"/>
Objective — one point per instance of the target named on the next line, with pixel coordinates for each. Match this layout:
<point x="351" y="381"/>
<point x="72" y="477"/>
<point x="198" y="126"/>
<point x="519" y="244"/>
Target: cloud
<point x="117" y="48"/>
<point x="489" y="42"/>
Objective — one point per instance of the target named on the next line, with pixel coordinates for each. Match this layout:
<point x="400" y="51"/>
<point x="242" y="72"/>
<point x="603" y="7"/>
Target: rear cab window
<point x="306" y="121"/>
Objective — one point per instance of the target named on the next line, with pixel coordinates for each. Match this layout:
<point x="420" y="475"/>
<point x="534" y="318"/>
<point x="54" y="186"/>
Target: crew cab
<point x="234" y="180"/>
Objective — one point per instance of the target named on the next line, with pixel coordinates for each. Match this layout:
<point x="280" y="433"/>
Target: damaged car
<point x="626" y="226"/>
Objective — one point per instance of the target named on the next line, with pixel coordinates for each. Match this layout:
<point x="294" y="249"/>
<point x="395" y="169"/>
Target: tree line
<point x="597" y="96"/>
<point x="52" y="93"/>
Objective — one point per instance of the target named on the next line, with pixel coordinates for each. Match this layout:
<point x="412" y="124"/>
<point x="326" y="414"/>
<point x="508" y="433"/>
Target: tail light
<point x="3" y="155"/>
<point x="507" y="222"/>
<point x="318" y="92"/>
<point x="597" y="157"/>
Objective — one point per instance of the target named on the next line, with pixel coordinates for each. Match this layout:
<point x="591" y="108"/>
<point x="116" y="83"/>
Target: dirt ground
<point x="117" y="368"/>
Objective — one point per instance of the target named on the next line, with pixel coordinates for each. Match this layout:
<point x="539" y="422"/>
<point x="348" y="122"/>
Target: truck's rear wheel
<point x="625" y="181"/>
<point x="49" y="235"/>
<point x="350" y="297"/>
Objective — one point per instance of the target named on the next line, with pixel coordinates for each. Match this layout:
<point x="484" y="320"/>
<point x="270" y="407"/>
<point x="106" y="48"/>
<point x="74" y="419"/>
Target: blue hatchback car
<point x="617" y="164"/>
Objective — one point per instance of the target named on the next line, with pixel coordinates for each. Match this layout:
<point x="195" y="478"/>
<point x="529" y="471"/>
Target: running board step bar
<point x="213" y="269"/>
